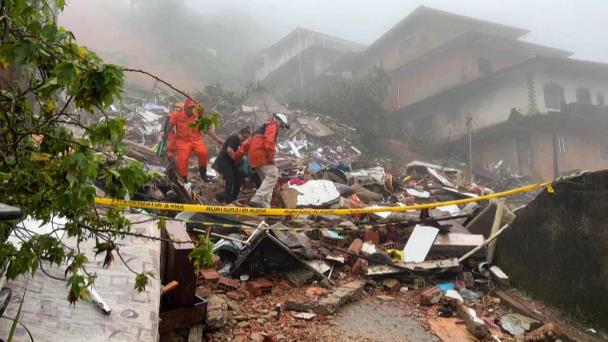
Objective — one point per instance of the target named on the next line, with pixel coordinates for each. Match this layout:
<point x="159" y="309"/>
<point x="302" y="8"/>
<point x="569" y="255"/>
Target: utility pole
<point x="470" y="147"/>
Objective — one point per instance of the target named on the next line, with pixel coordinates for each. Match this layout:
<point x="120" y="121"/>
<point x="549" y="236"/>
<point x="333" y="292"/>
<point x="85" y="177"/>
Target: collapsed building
<point x="451" y="266"/>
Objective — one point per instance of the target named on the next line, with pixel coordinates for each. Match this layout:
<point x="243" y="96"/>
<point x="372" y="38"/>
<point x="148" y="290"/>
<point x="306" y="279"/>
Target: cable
<point x="23" y="325"/>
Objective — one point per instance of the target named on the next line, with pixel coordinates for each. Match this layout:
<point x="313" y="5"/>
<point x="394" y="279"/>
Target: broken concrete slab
<point x="330" y="304"/>
<point x="342" y="295"/>
<point x="456" y="244"/>
<point x="299" y="277"/>
<point x="474" y="324"/>
<point x="517" y="325"/>
<point x="303" y="315"/>
<point x="432" y="264"/>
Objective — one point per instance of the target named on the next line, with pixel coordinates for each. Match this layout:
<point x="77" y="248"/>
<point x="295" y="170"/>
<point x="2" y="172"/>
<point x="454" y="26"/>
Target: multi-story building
<point x="298" y="58"/>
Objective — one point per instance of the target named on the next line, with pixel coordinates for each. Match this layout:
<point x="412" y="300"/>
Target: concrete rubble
<point x="284" y="278"/>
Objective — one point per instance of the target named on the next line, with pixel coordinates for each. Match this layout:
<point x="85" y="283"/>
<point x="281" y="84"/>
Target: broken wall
<point x="557" y="247"/>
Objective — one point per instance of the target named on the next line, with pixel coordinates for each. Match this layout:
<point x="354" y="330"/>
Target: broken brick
<point x="358" y="266"/>
<point x="259" y="287"/>
<point x="234" y="295"/>
<point x="390" y="245"/>
<point x="210" y="275"/>
<point x="391" y="285"/>
<point x="372" y="235"/>
<point x="431" y="296"/>
<point x="228" y="284"/>
<point x="355" y="248"/>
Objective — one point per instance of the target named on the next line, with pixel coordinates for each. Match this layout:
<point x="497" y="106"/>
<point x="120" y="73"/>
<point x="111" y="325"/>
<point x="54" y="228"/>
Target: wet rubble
<point x="289" y="278"/>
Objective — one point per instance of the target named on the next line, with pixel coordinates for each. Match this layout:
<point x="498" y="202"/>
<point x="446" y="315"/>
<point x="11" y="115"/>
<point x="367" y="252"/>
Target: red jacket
<point x="260" y="148"/>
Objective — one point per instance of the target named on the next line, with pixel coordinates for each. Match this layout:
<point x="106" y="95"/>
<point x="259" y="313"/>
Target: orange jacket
<point x="181" y="123"/>
<point x="261" y="146"/>
<point x="180" y="131"/>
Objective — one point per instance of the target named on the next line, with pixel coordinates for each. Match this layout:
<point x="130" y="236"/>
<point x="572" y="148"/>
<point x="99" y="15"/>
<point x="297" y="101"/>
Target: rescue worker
<point x="183" y="140"/>
<point x="260" y="149"/>
<point x="226" y="165"/>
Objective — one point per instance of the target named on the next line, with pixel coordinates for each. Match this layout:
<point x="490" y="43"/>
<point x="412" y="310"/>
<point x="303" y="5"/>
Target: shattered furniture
<point x="180" y="308"/>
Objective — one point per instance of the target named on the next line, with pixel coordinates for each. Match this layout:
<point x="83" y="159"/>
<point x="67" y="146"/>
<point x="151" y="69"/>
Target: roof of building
<point x="264" y="101"/>
<point x="302" y="31"/>
<point x="574" y="116"/>
<point x="425" y="14"/>
<point x="489" y="41"/>
<point x="536" y="64"/>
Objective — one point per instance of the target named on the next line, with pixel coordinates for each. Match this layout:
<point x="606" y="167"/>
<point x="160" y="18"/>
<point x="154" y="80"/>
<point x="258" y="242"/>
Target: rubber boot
<point x="203" y="173"/>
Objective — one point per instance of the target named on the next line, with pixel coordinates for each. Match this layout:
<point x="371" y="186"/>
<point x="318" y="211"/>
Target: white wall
<point x="570" y="83"/>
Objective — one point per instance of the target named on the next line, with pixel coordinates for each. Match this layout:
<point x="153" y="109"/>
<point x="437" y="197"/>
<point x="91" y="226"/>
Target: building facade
<point x="299" y="58"/>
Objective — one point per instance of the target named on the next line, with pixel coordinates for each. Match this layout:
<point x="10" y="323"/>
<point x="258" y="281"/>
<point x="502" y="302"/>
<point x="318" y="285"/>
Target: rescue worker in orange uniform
<point x="183" y="140"/>
<point x="260" y="149"/>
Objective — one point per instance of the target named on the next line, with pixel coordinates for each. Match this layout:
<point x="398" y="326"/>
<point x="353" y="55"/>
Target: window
<point x="600" y="99"/>
<point x="583" y="96"/>
<point x="485" y="66"/>
<point x="560" y="142"/>
<point x="406" y="43"/>
<point x="554" y="95"/>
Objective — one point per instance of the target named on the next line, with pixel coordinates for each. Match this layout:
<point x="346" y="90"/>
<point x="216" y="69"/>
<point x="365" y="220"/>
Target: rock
<point x="518" y="325"/>
<point x="243" y="324"/>
<point x="217" y="309"/>
<point x="391" y="285"/>
<point x="299" y="277"/>
<point x="257" y="336"/>
<point x="339" y="297"/>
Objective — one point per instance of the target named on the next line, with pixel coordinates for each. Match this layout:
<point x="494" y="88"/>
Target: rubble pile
<point x="288" y="278"/>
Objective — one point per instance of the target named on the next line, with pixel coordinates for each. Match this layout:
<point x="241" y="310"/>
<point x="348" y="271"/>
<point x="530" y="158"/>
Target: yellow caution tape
<point x="216" y="209"/>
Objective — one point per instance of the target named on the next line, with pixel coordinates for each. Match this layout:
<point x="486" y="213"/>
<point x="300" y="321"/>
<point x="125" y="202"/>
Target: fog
<point x="232" y="31"/>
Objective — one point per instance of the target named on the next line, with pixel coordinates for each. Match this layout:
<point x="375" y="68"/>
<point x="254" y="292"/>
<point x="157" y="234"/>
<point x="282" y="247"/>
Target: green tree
<point x="45" y="168"/>
<point x="357" y="102"/>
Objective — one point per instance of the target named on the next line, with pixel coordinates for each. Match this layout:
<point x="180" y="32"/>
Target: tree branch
<point x="159" y="80"/>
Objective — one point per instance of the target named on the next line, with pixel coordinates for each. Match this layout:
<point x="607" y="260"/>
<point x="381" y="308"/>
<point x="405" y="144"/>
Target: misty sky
<point x="575" y="25"/>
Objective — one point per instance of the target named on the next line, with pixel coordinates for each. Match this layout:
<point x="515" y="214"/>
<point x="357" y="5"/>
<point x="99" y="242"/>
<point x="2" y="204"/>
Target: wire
<point x="21" y="324"/>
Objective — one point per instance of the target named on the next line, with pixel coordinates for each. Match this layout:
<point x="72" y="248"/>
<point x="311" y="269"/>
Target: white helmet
<point x="282" y="118"/>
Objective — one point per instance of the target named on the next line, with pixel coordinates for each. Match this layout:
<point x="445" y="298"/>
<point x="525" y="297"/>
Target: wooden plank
<point x="500" y="205"/>
<point x="449" y="330"/>
<point x="196" y="333"/>
<point x="517" y="304"/>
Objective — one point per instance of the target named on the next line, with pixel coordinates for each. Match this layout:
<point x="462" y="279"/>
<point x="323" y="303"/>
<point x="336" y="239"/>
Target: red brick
<point x="431" y="296"/>
<point x="392" y="285"/>
<point x="358" y="266"/>
<point x="355" y="247"/>
<point x="228" y="284"/>
<point x="259" y="286"/>
<point x="210" y="275"/>
<point x="234" y="295"/>
<point x="372" y="235"/>
<point x="390" y="245"/>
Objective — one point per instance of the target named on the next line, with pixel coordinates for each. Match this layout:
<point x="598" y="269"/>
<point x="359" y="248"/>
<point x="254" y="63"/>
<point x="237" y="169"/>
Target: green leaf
<point x="142" y="279"/>
<point x="65" y="72"/>
<point x="202" y="254"/>
<point x="60" y="4"/>
<point x="162" y="223"/>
